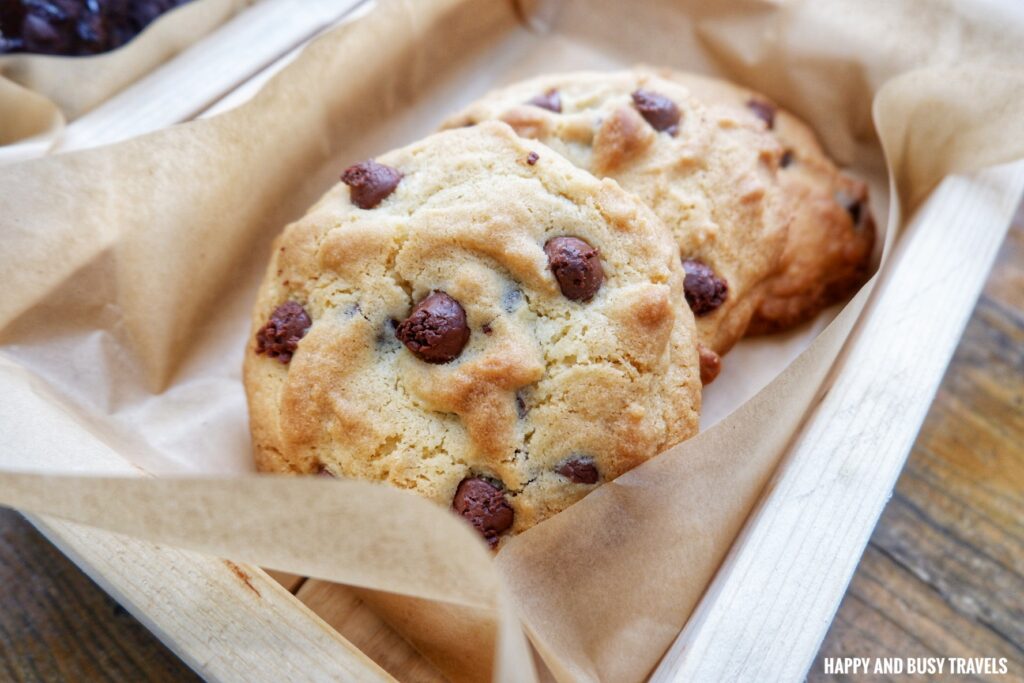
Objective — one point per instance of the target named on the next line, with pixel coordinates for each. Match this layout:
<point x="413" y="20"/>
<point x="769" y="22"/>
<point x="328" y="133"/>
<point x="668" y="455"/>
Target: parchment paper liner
<point x="129" y="271"/>
<point x="38" y="93"/>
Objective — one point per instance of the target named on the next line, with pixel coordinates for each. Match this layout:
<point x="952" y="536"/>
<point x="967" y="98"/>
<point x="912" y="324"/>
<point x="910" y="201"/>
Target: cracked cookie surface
<point x="711" y="174"/>
<point x="461" y="346"/>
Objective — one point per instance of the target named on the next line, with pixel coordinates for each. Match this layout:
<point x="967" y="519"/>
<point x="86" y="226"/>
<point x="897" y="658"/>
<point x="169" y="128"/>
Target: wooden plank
<point x="340" y="607"/>
<point x="799" y="550"/>
<point x="56" y="625"/>
<point x="290" y="582"/>
<point x="944" y="572"/>
<point x="887" y="614"/>
<point x="228" y="621"/>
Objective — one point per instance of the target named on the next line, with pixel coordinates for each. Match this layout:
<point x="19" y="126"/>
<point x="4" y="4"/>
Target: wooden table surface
<point x="942" y="576"/>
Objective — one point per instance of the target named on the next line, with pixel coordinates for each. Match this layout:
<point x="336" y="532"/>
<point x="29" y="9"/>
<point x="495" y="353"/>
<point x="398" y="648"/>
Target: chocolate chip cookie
<point x="710" y="174"/>
<point x="475" y="319"/>
<point x="828" y="251"/>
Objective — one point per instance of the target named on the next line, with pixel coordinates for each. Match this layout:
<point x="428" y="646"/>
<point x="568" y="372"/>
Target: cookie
<point x="475" y="319"/>
<point x="710" y="174"/>
<point x="828" y="250"/>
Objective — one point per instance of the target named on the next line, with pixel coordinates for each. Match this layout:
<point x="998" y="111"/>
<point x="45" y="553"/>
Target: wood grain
<point x="57" y="625"/>
<point x="229" y="621"/>
<point x="342" y="608"/>
<point x="944" y="572"/>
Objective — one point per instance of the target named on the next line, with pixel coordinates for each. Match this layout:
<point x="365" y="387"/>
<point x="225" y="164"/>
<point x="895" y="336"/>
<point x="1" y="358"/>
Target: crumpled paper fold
<point x="49" y="90"/>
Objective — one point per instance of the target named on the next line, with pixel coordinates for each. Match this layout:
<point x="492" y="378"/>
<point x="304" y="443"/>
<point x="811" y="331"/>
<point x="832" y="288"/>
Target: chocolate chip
<point x="787" y="159"/>
<point x="853" y="205"/>
<point x="484" y="505"/>
<point x="521" y="409"/>
<point x="487" y="329"/>
<point x="550" y="100"/>
<point x="710" y="364"/>
<point x="579" y="469"/>
<point x="370" y="183"/>
<point x="531" y="158"/>
<point x="704" y="290"/>
<point x="436" y="330"/>
<point x="763" y="110"/>
<point x="577" y="267"/>
<point x="658" y="110"/>
<point x="280" y="336"/>
<point x="511" y="299"/>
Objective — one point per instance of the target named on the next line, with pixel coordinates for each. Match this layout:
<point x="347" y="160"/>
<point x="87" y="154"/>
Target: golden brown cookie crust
<point x="712" y="178"/>
<point x="831" y="237"/>
<point x="542" y="378"/>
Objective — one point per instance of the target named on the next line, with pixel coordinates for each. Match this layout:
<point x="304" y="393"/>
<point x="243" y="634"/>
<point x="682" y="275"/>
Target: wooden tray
<point x="234" y="622"/>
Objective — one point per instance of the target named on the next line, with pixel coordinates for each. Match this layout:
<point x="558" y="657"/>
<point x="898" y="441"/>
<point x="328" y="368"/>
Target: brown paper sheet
<point x="129" y="271"/>
<point x="40" y="88"/>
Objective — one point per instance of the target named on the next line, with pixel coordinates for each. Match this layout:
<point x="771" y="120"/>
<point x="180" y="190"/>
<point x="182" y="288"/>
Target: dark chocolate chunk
<point x="787" y="159"/>
<point x="550" y="100"/>
<point x="579" y="469"/>
<point x="576" y="265"/>
<point x="764" y="110"/>
<point x="484" y="505"/>
<point x="280" y="336"/>
<point x="370" y="183"/>
<point x="658" y="110"/>
<point x="710" y="364"/>
<point x="531" y="158"/>
<point x="704" y="290"/>
<point x="521" y="409"/>
<point x="436" y="330"/>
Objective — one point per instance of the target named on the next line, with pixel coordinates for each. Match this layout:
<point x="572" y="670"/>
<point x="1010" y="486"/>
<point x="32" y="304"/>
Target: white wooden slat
<point x="767" y="611"/>
<point x="229" y="622"/>
<point x="247" y="90"/>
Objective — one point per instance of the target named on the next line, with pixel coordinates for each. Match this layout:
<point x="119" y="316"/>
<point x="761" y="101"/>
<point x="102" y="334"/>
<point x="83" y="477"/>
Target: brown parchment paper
<point x="38" y="93"/>
<point x="128" y="273"/>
